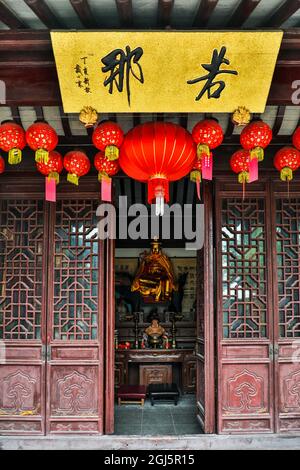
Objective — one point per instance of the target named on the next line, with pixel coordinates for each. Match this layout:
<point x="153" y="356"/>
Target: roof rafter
<point x="242" y="13"/>
<point x="165" y="8"/>
<point x="124" y="8"/>
<point x="283" y="13"/>
<point x="44" y="13"/>
<point x="204" y="12"/>
<point x="83" y="11"/>
<point x="9" y="18"/>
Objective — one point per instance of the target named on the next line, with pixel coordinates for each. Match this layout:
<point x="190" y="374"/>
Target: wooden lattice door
<point x="23" y="268"/>
<point x="75" y="319"/>
<point x="286" y="262"/>
<point x="245" y="311"/>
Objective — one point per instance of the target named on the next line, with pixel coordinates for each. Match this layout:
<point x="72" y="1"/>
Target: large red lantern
<point x="108" y="137"/>
<point x="156" y="153"/>
<point x="296" y="138"/>
<point x="255" y="137"/>
<point x="77" y="164"/>
<point x="51" y="171"/>
<point x="106" y="168"/>
<point x="12" y="140"/>
<point x="207" y="134"/>
<point x="2" y="164"/>
<point x="42" y="138"/>
<point x="286" y="161"/>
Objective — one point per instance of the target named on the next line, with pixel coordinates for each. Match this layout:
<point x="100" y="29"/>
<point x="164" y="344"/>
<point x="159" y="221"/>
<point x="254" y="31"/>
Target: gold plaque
<point x="163" y="71"/>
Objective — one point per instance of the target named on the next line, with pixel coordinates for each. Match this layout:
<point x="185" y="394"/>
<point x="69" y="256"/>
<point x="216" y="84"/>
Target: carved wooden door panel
<point x="205" y="368"/>
<point x="23" y="257"/>
<point x="286" y="222"/>
<point x="75" y="320"/>
<point x="245" y="311"/>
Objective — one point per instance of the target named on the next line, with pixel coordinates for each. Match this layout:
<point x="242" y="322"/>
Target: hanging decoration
<point x="157" y="153"/>
<point x="255" y="137"/>
<point x="88" y="116"/>
<point x="287" y="160"/>
<point x="77" y="164"/>
<point x="12" y="140"/>
<point x="42" y="138"/>
<point x="207" y="134"/>
<point x="240" y="164"/>
<point x="296" y="138"/>
<point x="195" y="175"/>
<point x="51" y="171"/>
<point x="241" y="116"/>
<point x="2" y="164"/>
<point x="106" y="169"/>
<point x="108" y="137"/>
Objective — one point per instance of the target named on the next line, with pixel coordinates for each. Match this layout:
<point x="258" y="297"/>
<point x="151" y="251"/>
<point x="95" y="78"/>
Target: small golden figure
<point x="155" y="333"/>
<point x="155" y="278"/>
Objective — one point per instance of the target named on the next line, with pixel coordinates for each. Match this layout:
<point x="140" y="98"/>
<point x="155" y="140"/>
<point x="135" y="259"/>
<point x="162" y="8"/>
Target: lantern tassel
<point x="14" y="156"/>
<point x="195" y="177"/>
<point x="72" y="178"/>
<point x="112" y="152"/>
<point x="202" y="149"/>
<point x="54" y="176"/>
<point x="286" y="174"/>
<point x="257" y="152"/>
<point x="159" y="206"/>
<point x="41" y="156"/>
<point x="243" y="178"/>
<point x="106" y="188"/>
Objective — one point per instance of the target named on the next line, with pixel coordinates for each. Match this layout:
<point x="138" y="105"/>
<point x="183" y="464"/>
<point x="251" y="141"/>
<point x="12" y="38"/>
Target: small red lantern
<point x="296" y="138"/>
<point x="2" y="164"/>
<point x="42" y="138"/>
<point x="77" y="164"/>
<point x="286" y="161"/>
<point x="51" y="170"/>
<point x="239" y="163"/>
<point x="156" y="153"/>
<point x="106" y="169"/>
<point x="207" y="134"/>
<point x="108" y="137"/>
<point x="53" y="167"/>
<point x="12" y="140"/>
<point x="255" y="137"/>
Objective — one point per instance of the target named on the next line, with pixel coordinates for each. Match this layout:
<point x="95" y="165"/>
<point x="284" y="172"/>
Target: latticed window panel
<point x="244" y="273"/>
<point x="288" y="266"/>
<point x="76" y="246"/>
<point x="21" y="269"/>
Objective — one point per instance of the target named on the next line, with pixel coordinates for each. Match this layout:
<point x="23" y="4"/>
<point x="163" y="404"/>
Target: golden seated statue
<point x="155" y="278"/>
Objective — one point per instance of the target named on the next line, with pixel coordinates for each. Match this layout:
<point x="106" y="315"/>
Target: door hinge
<point x="276" y="351"/>
<point x="46" y="352"/>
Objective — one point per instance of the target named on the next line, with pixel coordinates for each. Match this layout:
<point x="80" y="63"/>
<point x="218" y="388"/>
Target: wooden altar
<point x="145" y="366"/>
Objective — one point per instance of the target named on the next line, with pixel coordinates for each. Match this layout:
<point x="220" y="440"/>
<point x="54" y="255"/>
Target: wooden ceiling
<point x="143" y="14"/>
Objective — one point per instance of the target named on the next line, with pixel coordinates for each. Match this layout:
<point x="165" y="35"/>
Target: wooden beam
<point x="65" y="122"/>
<point x="204" y="12"/>
<point x="242" y="13"/>
<point x="283" y="13"/>
<point x="165" y="8"/>
<point x="9" y="18"/>
<point x="16" y="115"/>
<point x="44" y="13"/>
<point x="83" y="11"/>
<point x="124" y="8"/>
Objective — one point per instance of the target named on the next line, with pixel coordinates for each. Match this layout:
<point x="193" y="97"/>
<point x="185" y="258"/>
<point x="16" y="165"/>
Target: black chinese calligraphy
<point x="121" y="64"/>
<point x="82" y="75"/>
<point x="213" y="87"/>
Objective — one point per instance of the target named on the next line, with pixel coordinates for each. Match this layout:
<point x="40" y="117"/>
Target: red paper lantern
<point x="207" y="134"/>
<point x="2" y="164"/>
<point x="239" y="163"/>
<point x="12" y="140"/>
<point x="53" y="167"/>
<point x="255" y="137"/>
<point x="156" y="153"/>
<point x="108" y="137"/>
<point x="42" y="138"/>
<point x="286" y="161"/>
<point x="296" y="138"/>
<point x="77" y="164"/>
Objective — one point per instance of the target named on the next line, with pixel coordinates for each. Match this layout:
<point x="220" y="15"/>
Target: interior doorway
<point x="184" y="359"/>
